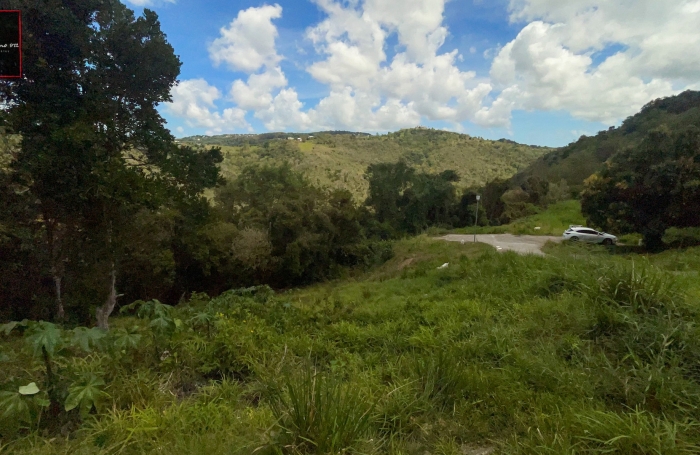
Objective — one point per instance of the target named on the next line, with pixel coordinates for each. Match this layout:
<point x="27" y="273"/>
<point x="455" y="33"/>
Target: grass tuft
<point x="317" y="414"/>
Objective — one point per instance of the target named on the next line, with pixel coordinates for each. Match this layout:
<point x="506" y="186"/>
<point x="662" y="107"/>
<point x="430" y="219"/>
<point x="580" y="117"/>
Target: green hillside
<point x="580" y="159"/>
<point x="339" y="159"/>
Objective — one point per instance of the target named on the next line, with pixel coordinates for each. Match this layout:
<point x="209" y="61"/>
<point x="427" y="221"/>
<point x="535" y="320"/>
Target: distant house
<point x="299" y="139"/>
<point x="290" y="138"/>
<point x="311" y="137"/>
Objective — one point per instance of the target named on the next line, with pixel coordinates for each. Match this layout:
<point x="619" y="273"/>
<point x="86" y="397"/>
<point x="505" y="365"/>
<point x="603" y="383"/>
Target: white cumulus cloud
<point x="256" y="94"/>
<point x="551" y="64"/>
<point x="597" y="60"/>
<point x="418" y="82"/>
<point x="193" y="100"/>
<point x="248" y="43"/>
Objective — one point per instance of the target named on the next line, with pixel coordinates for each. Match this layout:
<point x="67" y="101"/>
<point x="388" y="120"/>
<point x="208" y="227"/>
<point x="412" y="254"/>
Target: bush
<point x="682" y="237"/>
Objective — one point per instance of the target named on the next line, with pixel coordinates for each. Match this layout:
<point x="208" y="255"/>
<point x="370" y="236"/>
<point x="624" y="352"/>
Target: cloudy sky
<point x="534" y="71"/>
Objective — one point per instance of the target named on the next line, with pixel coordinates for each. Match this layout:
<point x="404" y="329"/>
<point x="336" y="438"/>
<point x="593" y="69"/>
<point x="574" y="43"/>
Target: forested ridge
<point x="657" y="143"/>
<point x="339" y="159"/>
<point x="582" y="158"/>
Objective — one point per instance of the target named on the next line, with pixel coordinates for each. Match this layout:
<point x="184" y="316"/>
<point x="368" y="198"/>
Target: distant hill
<point x="580" y="159"/>
<point x="340" y="158"/>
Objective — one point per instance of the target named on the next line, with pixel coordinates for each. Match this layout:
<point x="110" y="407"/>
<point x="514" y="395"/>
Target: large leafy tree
<point x="387" y="183"/>
<point x="291" y="232"/>
<point x="648" y="188"/>
<point x="94" y="149"/>
<point x="429" y="201"/>
<point x="408" y="201"/>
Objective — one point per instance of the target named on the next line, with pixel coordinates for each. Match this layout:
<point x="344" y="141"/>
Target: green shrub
<point x="682" y="237"/>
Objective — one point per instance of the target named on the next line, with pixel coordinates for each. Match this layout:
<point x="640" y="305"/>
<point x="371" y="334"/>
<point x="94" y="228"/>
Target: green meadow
<point x="579" y="352"/>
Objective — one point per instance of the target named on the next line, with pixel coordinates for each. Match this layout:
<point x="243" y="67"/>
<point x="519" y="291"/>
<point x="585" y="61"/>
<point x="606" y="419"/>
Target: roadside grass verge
<point x="552" y="221"/>
<point x="581" y="352"/>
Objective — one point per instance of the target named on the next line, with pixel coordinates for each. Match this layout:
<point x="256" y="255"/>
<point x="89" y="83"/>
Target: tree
<point x="428" y="201"/>
<point x="407" y="201"/>
<point x="558" y="192"/>
<point x="537" y="189"/>
<point x="387" y="183"/>
<point x="94" y="150"/>
<point x="290" y="232"/>
<point x="649" y="188"/>
<point x="492" y="202"/>
<point x="517" y="204"/>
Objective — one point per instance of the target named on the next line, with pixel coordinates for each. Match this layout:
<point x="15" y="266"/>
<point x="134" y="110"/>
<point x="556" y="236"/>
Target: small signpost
<point x="476" y="215"/>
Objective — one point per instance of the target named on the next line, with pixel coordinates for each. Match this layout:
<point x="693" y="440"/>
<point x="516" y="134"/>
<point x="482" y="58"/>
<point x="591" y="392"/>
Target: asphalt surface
<point x="523" y="244"/>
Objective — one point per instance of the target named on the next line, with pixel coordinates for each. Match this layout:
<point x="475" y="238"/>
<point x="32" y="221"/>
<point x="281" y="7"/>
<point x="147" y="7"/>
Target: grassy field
<point x="341" y="160"/>
<point x="581" y="352"/>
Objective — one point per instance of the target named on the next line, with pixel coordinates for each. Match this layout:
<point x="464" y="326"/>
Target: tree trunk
<point x="54" y="258"/>
<point x="102" y="313"/>
<point x="60" y="313"/>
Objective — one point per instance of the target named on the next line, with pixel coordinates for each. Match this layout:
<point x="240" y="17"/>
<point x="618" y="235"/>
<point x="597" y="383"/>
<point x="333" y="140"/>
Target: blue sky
<point x="534" y="71"/>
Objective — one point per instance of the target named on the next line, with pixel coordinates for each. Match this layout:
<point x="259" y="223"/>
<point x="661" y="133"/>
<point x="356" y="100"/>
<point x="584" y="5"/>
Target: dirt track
<point x="523" y="244"/>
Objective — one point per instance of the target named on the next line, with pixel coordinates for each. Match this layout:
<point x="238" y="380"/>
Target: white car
<point x="585" y="234"/>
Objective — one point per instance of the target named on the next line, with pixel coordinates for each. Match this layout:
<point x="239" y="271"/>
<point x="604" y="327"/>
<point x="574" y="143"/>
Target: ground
<point x="524" y="244"/>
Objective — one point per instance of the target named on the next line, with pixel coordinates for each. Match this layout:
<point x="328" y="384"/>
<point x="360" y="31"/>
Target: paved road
<point x="523" y="244"/>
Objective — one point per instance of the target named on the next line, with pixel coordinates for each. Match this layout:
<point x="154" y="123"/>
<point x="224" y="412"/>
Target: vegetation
<point x="577" y="161"/>
<point x="98" y="203"/>
<point x="583" y="351"/>
<point x="94" y="153"/>
<point x="340" y="160"/>
<point x="649" y="188"/>
<point x="580" y="352"/>
<point x="551" y="221"/>
<point x="560" y="174"/>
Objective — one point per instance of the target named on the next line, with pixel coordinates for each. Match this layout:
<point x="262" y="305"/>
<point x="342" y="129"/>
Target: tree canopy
<point x="648" y="188"/>
<point x="94" y="150"/>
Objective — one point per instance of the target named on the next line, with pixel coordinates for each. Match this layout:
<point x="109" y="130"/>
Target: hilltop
<point x="580" y="159"/>
<point x="340" y="158"/>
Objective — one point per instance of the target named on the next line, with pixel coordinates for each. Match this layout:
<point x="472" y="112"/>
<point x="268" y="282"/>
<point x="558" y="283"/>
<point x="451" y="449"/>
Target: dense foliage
<point x="649" y="188"/>
<point x="404" y="201"/>
<point x="597" y="353"/>
<point x="94" y="151"/>
<point x="560" y="174"/>
<point x="579" y="160"/>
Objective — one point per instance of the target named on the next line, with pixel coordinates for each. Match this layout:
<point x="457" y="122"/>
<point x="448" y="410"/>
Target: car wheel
<point x="607" y="242"/>
<point x="574" y="239"/>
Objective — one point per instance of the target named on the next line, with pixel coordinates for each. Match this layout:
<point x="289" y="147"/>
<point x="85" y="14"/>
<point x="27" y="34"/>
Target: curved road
<point x="523" y="244"/>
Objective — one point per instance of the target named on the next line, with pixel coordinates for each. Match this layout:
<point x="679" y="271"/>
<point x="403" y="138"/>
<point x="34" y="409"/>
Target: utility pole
<point x="476" y="215"/>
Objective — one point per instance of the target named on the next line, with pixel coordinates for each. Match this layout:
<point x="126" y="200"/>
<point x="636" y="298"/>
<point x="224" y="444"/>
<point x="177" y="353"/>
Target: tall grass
<point x="639" y="288"/>
<point x="581" y="352"/>
<point x="317" y="414"/>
